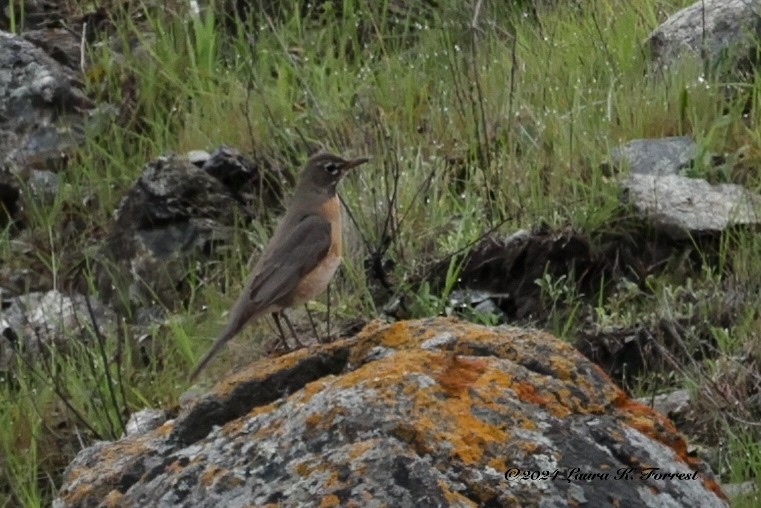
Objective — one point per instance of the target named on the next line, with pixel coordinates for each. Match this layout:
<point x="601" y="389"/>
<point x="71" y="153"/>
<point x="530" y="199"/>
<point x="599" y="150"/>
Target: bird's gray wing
<point x="297" y="253"/>
<point x="295" y="250"/>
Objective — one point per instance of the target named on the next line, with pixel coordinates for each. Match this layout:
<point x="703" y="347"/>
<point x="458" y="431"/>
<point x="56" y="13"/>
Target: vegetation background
<point x="479" y="116"/>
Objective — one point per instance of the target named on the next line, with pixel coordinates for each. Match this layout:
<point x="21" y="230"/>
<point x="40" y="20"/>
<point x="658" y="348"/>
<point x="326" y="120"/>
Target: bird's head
<point x="323" y="171"/>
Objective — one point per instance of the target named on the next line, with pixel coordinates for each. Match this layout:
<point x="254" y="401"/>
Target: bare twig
<point x="476" y="14"/>
<point x="82" y="53"/>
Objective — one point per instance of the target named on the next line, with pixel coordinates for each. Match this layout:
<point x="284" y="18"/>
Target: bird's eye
<point x="331" y="168"/>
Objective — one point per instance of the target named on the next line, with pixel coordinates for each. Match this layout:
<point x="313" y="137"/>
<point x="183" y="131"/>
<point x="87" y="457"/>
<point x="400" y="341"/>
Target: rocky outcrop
<point x="424" y="413"/>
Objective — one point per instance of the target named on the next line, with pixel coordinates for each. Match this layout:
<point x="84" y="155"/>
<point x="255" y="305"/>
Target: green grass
<point x="504" y="127"/>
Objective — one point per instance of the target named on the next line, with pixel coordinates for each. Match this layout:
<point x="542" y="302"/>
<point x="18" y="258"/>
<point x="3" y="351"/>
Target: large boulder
<point x="422" y="413"/>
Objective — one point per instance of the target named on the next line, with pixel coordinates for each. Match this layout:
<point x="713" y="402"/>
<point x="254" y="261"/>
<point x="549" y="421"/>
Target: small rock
<point x="657" y="157"/>
<point x="198" y="157"/>
<point x="682" y="206"/>
<point x="480" y="301"/>
<point x="34" y="321"/>
<point x="499" y="274"/>
<point x="733" y="490"/>
<point x="232" y="168"/>
<point x="671" y="404"/>
<point x="144" y="421"/>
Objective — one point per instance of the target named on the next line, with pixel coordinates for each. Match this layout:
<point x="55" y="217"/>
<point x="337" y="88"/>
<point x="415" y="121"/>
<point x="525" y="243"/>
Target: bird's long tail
<point x="230" y="331"/>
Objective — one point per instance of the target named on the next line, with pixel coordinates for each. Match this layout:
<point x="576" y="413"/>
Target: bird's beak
<point x="353" y="163"/>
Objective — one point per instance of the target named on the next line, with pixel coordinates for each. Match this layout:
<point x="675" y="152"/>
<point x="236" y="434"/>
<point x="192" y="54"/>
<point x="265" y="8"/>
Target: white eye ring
<point x="331" y="168"/>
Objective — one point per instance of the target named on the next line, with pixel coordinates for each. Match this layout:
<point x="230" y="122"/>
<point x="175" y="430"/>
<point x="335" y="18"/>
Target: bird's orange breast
<point x="318" y="279"/>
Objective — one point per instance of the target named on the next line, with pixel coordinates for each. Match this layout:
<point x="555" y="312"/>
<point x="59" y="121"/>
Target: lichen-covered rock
<point x="424" y="413"/>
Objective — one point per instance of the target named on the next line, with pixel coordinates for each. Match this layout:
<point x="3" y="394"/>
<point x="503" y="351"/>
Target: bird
<point x="301" y="257"/>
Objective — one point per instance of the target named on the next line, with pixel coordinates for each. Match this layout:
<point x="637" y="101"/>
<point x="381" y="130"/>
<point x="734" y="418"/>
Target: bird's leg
<point x="276" y="318"/>
<point x="328" y="316"/>
<point x="311" y="322"/>
<point x="290" y="326"/>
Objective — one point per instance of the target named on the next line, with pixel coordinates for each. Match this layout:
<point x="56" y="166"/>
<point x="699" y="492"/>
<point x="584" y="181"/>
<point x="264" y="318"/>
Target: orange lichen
<point x="371" y="329"/>
<point x="562" y="368"/>
<point x="113" y="499"/>
<point x="527" y="393"/>
<point x="395" y="335"/>
<point x="233" y="426"/>
<point x="455" y="498"/>
<point x="311" y="389"/>
<point x="303" y="469"/>
<point x="330" y="501"/>
<point x="313" y="420"/>
<point x="175" y="467"/>
<point x="359" y="449"/>
<point x="333" y="483"/>
<point x="415" y="433"/>
<point x="376" y="374"/>
<point x="164" y="430"/>
<point x="459" y="373"/>
<point x="453" y="421"/>
<point x="656" y="426"/>
<point x="211" y="473"/>
<point x="498" y="463"/>
<point x="132" y="446"/>
<point x="468" y="434"/>
<point x="83" y="491"/>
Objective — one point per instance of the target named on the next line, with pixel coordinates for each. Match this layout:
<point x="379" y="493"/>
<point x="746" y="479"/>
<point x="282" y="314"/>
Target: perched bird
<point x="302" y="255"/>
